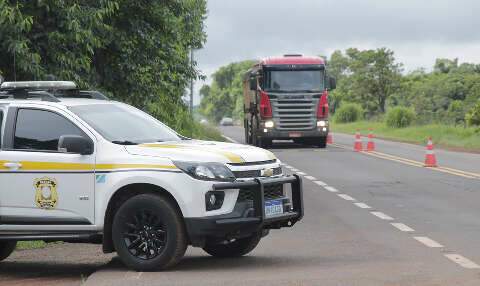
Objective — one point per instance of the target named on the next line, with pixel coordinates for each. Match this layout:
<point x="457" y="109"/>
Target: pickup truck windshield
<point x="295" y="80"/>
<point x="123" y="124"/>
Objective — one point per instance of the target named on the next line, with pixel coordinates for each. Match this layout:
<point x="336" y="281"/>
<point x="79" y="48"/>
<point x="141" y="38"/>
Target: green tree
<point x="136" y="52"/>
<point x="224" y="97"/>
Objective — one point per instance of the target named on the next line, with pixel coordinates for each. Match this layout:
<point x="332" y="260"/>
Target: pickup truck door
<point x="38" y="183"/>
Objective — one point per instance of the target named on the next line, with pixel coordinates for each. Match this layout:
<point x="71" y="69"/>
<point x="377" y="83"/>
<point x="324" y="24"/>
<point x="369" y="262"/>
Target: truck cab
<point x="287" y="98"/>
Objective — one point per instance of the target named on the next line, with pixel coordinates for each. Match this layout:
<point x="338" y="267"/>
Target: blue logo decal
<point x="100" y="179"/>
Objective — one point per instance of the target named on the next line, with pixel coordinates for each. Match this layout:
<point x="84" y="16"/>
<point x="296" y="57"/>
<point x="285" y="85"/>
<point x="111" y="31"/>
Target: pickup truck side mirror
<point x="331" y="83"/>
<point x="75" y="144"/>
<point x="253" y="83"/>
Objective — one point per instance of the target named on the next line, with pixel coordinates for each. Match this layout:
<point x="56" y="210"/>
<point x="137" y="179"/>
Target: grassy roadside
<point x="207" y="132"/>
<point x="25" y="245"/>
<point x="450" y="137"/>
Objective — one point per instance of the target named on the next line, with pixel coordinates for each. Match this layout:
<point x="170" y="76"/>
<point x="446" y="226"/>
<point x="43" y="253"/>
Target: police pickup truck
<point x="77" y="167"/>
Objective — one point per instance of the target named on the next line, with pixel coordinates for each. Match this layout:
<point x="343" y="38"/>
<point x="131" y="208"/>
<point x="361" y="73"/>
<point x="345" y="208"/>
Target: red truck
<point x="287" y="98"/>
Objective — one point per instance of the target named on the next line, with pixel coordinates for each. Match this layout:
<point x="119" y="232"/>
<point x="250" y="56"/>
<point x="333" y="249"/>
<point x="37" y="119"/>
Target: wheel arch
<point x="122" y="195"/>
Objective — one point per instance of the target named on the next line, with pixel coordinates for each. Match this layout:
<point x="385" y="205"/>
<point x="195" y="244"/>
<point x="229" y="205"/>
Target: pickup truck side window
<point x="40" y="130"/>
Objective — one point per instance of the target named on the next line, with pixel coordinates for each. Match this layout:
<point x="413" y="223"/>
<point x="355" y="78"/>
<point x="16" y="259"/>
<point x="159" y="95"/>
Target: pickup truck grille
<point x="271" y="192"/>
<point x="293" y="113"/>
<point x="255" y="173"/>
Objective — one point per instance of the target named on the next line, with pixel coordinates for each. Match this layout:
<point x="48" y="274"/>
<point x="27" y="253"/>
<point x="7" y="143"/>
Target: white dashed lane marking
<point x="301" y="173"/>
<point x="402" y="227"/>
<point x="346" y="197"/>
<point x="331" y="189"/>
<point x="310" y="178"/>
<point x="462" y="261"/>
<point x="428" y="241"/>
<point x="320" y="183"/>
<point x="362" y="205"/>
<point x="382" y="215"/>
<point x="294" y="170"/>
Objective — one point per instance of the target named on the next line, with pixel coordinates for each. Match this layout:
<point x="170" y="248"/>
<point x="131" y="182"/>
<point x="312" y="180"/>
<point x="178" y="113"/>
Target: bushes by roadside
<point x="473" y="116"/>
<point x="348" y="112"/>
<point x="399" y="117"/>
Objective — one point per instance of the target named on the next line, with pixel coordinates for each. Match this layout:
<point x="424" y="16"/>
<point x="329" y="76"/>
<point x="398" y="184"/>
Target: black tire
<point x="265" y="143"/>
<point x="148" y="233"/>
<point x="322" y="142"/>
<point x="6" y="248"/>
<point x="237" y="248"/>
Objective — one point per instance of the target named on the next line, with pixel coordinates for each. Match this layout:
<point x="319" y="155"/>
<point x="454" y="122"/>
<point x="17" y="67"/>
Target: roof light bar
<point x="38" y="85"/>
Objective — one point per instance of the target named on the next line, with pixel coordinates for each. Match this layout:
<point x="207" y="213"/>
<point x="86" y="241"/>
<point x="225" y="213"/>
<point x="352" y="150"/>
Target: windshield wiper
<point x="124" y="142"/>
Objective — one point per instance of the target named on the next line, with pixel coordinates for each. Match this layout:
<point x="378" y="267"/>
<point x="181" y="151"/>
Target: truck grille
<point x="255" y="173"/>
<point x="294" y="112"/>
<point x="271" y="192"/>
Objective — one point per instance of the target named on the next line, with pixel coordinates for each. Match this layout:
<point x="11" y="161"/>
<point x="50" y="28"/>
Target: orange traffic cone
<point x="329" y="138"/>
<point x="357" y="147"/>
<point x="371" y="143"/>
<point x="430" y="159"/>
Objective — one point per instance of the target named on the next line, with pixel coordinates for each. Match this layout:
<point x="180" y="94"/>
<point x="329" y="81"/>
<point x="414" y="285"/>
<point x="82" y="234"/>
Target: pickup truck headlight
<point x="206" y="171"/>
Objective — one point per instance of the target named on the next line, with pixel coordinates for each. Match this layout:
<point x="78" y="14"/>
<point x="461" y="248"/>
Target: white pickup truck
<point x="77" y="167"/>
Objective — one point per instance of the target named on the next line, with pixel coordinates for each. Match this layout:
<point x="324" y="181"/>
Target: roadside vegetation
<point x="443" y="103"/>
<point x="448" y="136"/>
<point x="139" y="54"/>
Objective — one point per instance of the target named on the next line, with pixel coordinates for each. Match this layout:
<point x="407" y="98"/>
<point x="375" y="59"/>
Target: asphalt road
<point x="371" y="219"/>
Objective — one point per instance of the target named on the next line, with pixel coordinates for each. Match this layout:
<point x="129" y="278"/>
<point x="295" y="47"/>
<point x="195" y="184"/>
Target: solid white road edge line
<point x="427" y="241"/>
<point x="402" y="227"/>
<point x="301" y="173"/>
<point x="346" y="197"/>
<point x="310" y="178"/>
<point x="381" y="215"/>
<point x="362" y="205"/>
<point x="331" y="189"/>
<point x="230" y="139"/>
<point x="462" y="261"/>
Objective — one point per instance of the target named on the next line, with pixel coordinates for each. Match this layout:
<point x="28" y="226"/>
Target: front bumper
<point x="248" y="217"/>
<point x="285" y="135"/>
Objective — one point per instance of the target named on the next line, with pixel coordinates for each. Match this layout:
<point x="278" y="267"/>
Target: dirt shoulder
<point x="59" y="264"/>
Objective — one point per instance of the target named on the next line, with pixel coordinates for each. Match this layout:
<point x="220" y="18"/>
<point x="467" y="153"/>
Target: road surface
<point x="371" y="219"/>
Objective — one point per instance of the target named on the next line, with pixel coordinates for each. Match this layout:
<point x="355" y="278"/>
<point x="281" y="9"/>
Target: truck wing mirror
<point x="253" y="84"/>
<point x="332" y="83"/>
<point x="75" y="144"/>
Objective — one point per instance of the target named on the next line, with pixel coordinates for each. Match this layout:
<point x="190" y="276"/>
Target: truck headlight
<point x="206" y="171"/>
<point x="269" y="124"/>
<point x="322" y="123"/>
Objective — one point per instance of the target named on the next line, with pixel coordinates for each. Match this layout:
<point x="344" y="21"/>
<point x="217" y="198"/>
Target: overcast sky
<point x="419" y="31"/>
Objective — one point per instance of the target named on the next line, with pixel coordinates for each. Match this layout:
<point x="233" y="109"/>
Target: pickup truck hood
<point x="202" y="151"/>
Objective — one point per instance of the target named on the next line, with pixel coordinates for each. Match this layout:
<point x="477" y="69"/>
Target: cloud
<point x="418" y="31"/>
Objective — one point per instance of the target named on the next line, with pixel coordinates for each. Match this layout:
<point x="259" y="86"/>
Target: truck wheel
<point x="6" y="248"/>
<point x="148" y="233"/>
<point x="236" y="248"/>
<point x="322" y="142"/>
<point x="265" y="143"/>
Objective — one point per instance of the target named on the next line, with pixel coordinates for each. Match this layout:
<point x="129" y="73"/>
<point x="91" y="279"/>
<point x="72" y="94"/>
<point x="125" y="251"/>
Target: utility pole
<point x="191" y="83"/>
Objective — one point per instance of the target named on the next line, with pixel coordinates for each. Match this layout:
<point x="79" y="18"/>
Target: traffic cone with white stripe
<point x="430" y="159"/>
<point x="329" y="138"/>
<point x="371" y="143"/>
<point x="358" y="146"/>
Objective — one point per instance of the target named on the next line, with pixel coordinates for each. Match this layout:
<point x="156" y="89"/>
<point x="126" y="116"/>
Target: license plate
<point x="274" y="207"/>
<point x="294" y="134"/>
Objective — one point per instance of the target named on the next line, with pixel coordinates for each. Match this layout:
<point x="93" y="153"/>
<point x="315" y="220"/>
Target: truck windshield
<point x="123" y="124"/>
<point x="295" y="80"/>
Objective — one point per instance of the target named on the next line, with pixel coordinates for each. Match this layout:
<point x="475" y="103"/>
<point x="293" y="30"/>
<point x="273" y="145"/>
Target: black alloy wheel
<point x="145" y="235"/>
